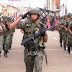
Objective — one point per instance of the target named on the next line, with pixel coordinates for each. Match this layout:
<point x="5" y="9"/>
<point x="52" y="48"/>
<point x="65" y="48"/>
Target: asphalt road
<point x="58" y="59"/>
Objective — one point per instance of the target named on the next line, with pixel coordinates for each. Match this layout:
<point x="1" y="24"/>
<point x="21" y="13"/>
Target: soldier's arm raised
<point x="16" y="22"/>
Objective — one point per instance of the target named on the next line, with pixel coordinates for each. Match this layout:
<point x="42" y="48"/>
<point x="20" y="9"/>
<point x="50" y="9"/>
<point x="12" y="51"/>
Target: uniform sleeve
<point x="45" y="26"/>
<point x="70" y="25"/>
<point x="21" y="24"/>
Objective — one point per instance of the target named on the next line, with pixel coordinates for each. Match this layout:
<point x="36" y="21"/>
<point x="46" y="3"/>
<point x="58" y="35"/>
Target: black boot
<point x="0" y="53"/>
<point x="60" y="44"/>
<point x="65" y="48"/>
<point x="5" y="53"/>
<point x="69" y="49"/>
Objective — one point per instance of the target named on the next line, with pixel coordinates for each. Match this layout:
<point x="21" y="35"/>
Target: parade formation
<point x="34" y="29"/>
<point x="65" y="31"/>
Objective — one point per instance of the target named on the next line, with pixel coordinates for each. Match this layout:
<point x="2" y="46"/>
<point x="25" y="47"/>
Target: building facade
<point x="63" y="7"/>
<point x="54" y="6"/>
<point x="8" y="10"/>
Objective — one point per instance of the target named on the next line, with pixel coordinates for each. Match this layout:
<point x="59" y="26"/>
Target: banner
<point x="14" y="0"/>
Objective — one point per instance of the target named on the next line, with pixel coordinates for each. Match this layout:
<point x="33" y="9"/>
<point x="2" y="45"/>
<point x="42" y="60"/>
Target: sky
<point x="69" y="5"/>
<point x="26" y="3"/>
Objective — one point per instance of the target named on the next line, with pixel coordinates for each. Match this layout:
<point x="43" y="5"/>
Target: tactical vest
<point x="30" y="29"/>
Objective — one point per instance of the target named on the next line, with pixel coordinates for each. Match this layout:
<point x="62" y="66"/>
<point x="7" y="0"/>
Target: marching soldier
<point x="1" y="37"/>
<point x="64" y="32"/>
<point x="7" y="36"/>
<point x="69" y="39"/>
<point x="33" y="56"/>
<point x="60" y="30"/>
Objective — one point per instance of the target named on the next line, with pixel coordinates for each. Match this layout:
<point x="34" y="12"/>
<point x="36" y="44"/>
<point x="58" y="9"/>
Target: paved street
<point x="58" y="59"/>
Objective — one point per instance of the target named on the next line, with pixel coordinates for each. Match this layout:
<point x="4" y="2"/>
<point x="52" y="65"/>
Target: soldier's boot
<point x="5" y="54"/>
<point x="0" y="53"/>
<point x="69" y="49"/>
<point x="65" y="47"/>
<point x="60" y="44"/>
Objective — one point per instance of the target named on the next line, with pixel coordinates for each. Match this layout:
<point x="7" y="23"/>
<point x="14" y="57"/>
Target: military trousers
<point x="1" y="42"/>
<point x="10" y="40"/>
<point x="6" y="42"/>
<point x="33" y="62"/>
<point x="69" y="43"/>
<point x="61" y="38"/>
<point x="65" y="40"/>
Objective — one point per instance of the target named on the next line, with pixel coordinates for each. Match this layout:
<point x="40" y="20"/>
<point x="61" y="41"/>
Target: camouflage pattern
<point x="33" y="57"/>
<point x="6" y="42"/>
<point x="8" y="34"/>
<point x="69" y="38"/>
<point x="33" y="62"/>
<point x="1" y="43"/>
<point x="64" y="32"/>
<point x="60" y="30"/>
<point x="1" y="37"/>
<point x="10" y="38"/>
<point x="70" y="35"/>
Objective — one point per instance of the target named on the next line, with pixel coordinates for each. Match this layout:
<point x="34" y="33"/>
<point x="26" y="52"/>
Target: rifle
<point x="7" y="18"/>
<point x="43" y="16"/>
<point x="32" y="37"/>
<point x="4" y="20"/>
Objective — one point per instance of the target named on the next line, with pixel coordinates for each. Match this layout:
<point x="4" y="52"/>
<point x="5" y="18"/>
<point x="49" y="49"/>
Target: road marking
<point x="55" y="38"/>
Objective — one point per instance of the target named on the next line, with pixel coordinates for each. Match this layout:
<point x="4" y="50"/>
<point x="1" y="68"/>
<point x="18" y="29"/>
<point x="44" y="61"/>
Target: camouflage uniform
<point x="33" y="56"/>
<point x="64" y="33"/>
<point x="1" y="38"/>
<point x="10" y="38"/>
<point x="1" y="44"/>
<point x="11" y="35"/>
<point x="7" y="37"/>
<point x="69" y="39"/>
<point x="60" y="30"/>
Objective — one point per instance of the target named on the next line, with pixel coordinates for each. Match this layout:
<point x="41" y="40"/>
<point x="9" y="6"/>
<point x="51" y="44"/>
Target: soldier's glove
<point x="42" y="31"/>
<point x="7" y="27"/>
<point x="25" y="15"/>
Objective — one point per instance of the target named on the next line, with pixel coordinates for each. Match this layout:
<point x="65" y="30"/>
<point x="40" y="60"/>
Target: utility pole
<point x="47" y="4"/>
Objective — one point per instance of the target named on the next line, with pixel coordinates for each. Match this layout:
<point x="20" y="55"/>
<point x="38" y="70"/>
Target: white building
<point x="69" y="5"/>
<point x="63" y="7"/>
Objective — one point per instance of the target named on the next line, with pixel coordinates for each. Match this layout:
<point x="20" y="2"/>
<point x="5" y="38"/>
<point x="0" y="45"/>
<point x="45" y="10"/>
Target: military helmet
<point x="36" y="11"/>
